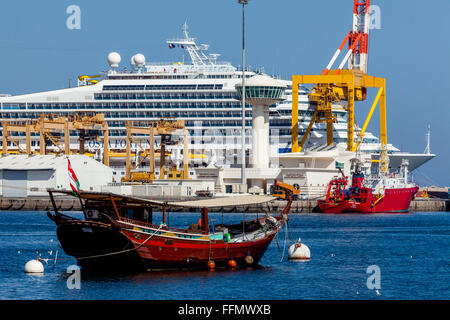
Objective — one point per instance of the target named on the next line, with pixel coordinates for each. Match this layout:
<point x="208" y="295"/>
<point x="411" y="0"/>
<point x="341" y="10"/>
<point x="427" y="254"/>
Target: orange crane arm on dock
<point x="283" y="190"/>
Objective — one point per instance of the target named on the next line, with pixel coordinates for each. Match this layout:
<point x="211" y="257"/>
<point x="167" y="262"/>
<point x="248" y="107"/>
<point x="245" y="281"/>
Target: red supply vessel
<point x="383" y="194"/>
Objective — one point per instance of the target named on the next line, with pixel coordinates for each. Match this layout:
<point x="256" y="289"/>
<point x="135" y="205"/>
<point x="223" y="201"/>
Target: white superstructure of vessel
<point x="202" y="93"/>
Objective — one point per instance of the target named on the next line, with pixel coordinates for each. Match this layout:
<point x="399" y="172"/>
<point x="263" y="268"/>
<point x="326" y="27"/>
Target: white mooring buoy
<point x="299" y="251"/>
<point x="34" y="266"/>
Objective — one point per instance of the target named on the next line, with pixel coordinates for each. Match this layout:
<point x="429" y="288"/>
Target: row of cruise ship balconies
<point x="227" y="117"/>
<point x="162" y="87"/>
<point x="121" y="106"/>
<point x="166" y="96"/>
<point x="150" y="110"/>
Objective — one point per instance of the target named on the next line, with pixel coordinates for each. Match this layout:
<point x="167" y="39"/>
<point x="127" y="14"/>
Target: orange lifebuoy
<point x="200" y="222"/>
<point x="232" y="263"/>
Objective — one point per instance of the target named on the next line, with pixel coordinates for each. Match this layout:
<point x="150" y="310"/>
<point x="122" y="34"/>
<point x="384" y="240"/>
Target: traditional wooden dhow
<point x="117" y="232"/>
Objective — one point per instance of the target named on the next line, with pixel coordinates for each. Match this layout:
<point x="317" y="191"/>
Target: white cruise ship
<point x="202" y="93"/>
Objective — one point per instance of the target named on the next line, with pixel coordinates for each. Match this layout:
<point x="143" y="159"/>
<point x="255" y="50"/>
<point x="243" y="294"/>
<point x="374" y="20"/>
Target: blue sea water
<point x="411" y="250"/>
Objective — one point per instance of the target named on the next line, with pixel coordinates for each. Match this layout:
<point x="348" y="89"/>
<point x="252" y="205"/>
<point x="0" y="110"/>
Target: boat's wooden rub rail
<point x="143" y="226"/>
<point x="87" y="224"/>
<point x="168" y="234"/>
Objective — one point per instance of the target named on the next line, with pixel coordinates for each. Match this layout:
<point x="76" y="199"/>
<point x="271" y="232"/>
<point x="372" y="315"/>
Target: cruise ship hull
<point x="415" y="160"/>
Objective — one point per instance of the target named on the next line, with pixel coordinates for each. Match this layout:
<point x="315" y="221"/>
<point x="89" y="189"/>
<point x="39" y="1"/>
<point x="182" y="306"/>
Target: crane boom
<point x="285" y="191"/>
<point x="361" y="26"/>
<point x="335" y="86"/>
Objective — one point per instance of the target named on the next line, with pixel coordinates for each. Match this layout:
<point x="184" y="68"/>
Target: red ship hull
<point x="170" y="251"/>
<point x="80" y="238"/>
<point x="360" y="199"/>
<point x="394" y="201"/>
<point x="329" y="207"/>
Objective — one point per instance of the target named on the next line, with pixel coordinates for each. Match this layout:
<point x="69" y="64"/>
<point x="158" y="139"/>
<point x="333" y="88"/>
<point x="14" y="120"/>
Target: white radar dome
<point x="114" y="59"/>
<point x="132" y="62"/>
<point x="139" y="59"/>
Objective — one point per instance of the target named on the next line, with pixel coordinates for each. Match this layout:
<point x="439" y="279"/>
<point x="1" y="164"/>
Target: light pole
<point x="243" y="2"/>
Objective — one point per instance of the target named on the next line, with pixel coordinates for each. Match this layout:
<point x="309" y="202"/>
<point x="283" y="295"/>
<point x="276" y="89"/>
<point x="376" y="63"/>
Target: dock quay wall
<point x="430" y="205"/>
<point x="300" y="206"/>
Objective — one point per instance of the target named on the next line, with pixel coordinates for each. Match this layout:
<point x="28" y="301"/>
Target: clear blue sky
<point x="412" y="50"/>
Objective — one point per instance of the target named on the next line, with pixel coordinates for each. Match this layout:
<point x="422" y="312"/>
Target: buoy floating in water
<point x="232" y="263"/>
<point x="34" y="266"/>
<point x="249" y="260"/>
<point x="211" y="265"/>
<point x="299" y="251"/>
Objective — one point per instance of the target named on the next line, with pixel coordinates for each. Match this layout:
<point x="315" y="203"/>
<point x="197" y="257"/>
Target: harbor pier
<point x="298" y="207"/>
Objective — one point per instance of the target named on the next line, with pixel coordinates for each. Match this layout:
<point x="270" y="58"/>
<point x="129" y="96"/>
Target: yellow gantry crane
<point x="335" y="86"/>
<point x="50" y="127"/>
<point x="165" y="129"/>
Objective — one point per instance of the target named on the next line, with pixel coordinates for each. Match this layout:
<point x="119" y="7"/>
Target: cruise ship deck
<point x="202" y="93"/>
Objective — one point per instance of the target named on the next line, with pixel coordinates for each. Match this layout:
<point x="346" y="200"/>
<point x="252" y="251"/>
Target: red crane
<point x="357" y="38"/>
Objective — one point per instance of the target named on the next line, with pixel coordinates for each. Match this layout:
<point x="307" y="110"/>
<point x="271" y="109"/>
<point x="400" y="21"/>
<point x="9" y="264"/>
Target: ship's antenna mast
<point x="428" y="136"/>
<point x="198" y="56"/>
<point x="243" y="152"/>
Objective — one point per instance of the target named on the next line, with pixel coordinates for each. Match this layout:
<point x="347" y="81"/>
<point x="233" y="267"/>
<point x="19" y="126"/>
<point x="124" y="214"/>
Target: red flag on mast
<point x="74" y="183"/>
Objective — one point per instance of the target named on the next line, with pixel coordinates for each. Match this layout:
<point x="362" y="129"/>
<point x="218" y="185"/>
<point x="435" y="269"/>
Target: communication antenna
<point x="114" y="61"/>
<point x="139" y="60"/>
<point x="196" y="52"/>
<point x="428" y="137"/>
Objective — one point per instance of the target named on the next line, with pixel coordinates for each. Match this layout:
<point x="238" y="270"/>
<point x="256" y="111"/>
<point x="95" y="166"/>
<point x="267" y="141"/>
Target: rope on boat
<point x="285" y="240"/>
<point x="111" y="253"/>
<point x="291" y="237"/>
<point x="282" y="252"/>
<point x="276" y="241"/>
